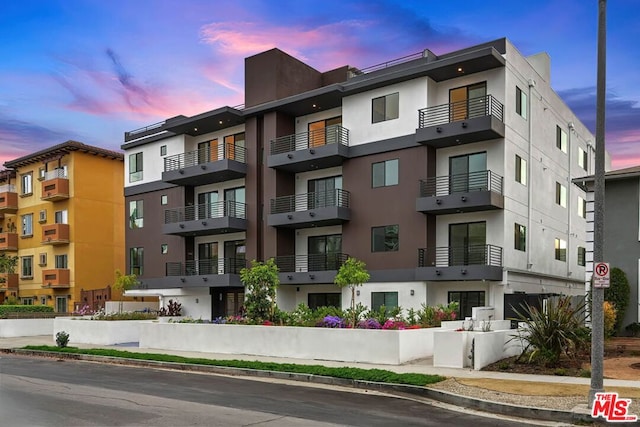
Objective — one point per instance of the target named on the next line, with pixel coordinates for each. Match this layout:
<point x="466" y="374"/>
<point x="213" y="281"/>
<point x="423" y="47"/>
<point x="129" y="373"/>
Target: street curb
<point x="437" y="395"/>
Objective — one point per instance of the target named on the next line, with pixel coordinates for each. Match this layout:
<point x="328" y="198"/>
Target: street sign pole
<point x="597" y="294"/>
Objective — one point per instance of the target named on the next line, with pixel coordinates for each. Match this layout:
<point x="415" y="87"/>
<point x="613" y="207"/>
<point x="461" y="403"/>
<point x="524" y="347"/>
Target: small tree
<point x="261" y="282"/>
<point x="352" y="273"/>
<point x="123" y="283"/>
<point x="8" y="263"/>
<point x="618" y="294"/>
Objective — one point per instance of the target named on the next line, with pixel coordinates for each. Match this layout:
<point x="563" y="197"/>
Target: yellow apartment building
<point x="62" y="215"/>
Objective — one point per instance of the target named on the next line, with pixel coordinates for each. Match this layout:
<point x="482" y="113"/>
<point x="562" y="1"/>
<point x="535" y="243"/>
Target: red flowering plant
<point x="394" y="324"/>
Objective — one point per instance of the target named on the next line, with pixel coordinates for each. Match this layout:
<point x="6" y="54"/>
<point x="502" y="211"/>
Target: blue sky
<point x="91" y="70"/>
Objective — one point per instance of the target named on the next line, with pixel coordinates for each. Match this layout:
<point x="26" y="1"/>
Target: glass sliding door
<point x="467" y="243"/>
<point x="234" y="256"/>
<point x="235" y="202"/>
<point x="207" y="258"/>
<point x="323" y="192"/>
<point x="207" y="205"/>
<point x="323" y="132"/>
<point x="468" y="173"/>
<point x="324" y="252"/>
<point x="208" y="151"/>
<point x="467" y="102"/>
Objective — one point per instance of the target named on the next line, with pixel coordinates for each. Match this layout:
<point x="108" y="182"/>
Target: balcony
<point x="55" y="234"/>
<point x="471" y="192"/>
<point x="212" y="218"/>
<point x="8" y="199"/>
<point x="222" y="162"/>
<point x="318" y="149"/>
<point x="310" y="209"/>
<point x="9" y="242"/>
<point x="55" y="186"/>
<point x="8" y="281"/>
<point x="309" y="269"/>
<point x="56" y="278"/>
<point x="462" y="122"/>
<point x="208" y="272"/>
<point x="473" y="262"/>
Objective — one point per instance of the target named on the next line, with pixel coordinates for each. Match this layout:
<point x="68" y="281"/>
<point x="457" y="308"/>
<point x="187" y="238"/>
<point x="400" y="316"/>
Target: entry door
<point x="322" y="192"/>
<point x="323" y="132"/>
<point x="234" y="256"/>
<point x="208" y="151"/>
<point x="467" y="243"/>
<point x="465" y="173"/>
<point x="208" y="205"/>
<point x="207" y="258"/>
<point x="467" y="102"/>
<point x="61" y="304"/>
<point x="324" y="252"/>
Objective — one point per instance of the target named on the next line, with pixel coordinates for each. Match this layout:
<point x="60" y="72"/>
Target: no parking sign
<point x="601" y="275"/>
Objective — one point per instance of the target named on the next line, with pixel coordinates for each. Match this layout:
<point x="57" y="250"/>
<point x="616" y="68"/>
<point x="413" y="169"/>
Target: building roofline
<point x="61" y="149"/>
<point x="626" y="173"/>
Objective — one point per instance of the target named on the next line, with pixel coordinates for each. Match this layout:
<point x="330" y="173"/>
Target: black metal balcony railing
<point x="334" y="134"/>
<point x="461" y="110"/>
<point x="205" y="155"/>
<point x="225" y="208"/>
<point x="312" y="262"/>
<point x="461" y="183"/>
<point x="205" y="267"/>
<point x="449" y="256"/>
<point x="307" y="201"/>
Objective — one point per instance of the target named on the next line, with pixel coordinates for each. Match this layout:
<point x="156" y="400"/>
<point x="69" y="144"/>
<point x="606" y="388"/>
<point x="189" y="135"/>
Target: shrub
<point x="260" y="281"/>
<point x="609" y="313"/>
<point x="132" y="315"/>
<point x="333" y="322"/>
<point x="6" y="309"/>
<point x="369" y="324"/>
<point x="394" y="324"/>
<point x="633" y="329"/>
<point x="62" y="339"/>
<point x="618" y="293"/>
<point x="174" y="308"/>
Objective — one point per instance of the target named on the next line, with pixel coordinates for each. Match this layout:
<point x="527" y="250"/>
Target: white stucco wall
<point x="25" y="327"/>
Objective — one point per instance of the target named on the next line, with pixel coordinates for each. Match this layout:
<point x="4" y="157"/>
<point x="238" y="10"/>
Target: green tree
<point x="352" y="273"/>
<point x="261" y="282"/>
<point x="123" y="283"/>
<point x="8" y="263"/>
<point x="618" y="294"/>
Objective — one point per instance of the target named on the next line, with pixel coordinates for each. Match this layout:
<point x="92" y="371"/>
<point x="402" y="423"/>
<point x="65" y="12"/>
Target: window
<point x="322" y="132"/>
<point x="164" y="249"/>
<point x="385" y="108"/>
<point x="42" y="259"/>
<point x="582" y="158"/>
<point x="384" y="174"/>
<point x="467" y="102"/>
<point x="136" y="214"/>
<point x="582" y="207"/>
<point x="324" y="252"/>
<point x="467" y="301"/>
<point x="561" y="250"/>
<point x="61" y="217"/>
<point x="27" y="301"/>
<point x="385" y="239"/>
<point x="234" y="147"/>
<point x="163" y="150"/>
<point x="234" y="201"/>
<point x="521" y="103"/>
<point x="26" y="181"/>
<point x="582" y="255"/>
<point x="164" y="199"/>
<point x="521" y="170"/>
<point x="388" y="299"/>
<point x="41" y="173"/>
<point x="520" y="237"/>
<point x="561" y="195"/>
<point x="26" y="267"/>
<point x="561" y="139"/>
<point x="135" y="167"/>
<point x="324" y="300"/>
<point x="61" y="261"/>
<point x="43" y="216"/>
<point x="61" y="304"/>
<point x="468" y="173"/>
<point x="136" y="261"/>
<point x="27" y="225"/>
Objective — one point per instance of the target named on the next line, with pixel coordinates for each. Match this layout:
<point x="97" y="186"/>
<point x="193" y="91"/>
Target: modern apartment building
<point x="621" y="246"/>
<point x="449" y="176"/>
<point x="62" y="215"/>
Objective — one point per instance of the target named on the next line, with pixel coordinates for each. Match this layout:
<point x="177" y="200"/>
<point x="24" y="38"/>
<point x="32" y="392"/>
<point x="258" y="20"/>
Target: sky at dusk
<point x="90" y="70"/>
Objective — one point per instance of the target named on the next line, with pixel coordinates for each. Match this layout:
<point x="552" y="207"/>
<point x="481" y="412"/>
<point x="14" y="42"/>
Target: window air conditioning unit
<point x="43" y="216"/>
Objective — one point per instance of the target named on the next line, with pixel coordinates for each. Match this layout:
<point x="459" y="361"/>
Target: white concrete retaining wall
<point x="25" y="327"/>
<point x="99" y="332"/>
<point x="495" y="325"/>
<point x="348" y="345"/>
<point x="453" y="349"/>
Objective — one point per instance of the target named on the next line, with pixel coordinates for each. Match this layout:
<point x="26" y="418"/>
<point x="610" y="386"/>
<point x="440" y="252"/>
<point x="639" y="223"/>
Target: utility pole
<point x="597" y="294"/>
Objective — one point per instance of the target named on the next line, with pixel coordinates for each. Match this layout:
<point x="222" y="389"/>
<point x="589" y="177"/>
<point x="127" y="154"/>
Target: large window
<point x="135" y="167"/>
<point x="582" y="256"/>
<point x="467" y="244"/>
<point x="324" y="132"/>
<point x="61" y="261"/>
<point x="520" y="237"/>
<point x="384" y="174"/>
<point x="388" y="299"/>
<point x="385" y="239"/>
<point x="583" y="158"/>
<point x="561" y="250"/>
<point x="136" y="214"/>
<point x="61" y="217"/>
<point x="561" y="139"/>
<point x="521" y="170"/>
<point x="324" y="300"/>
<point x="136" y="261"/>
<point x="467" y="301"/>
<point x="468" y="173"/>
<point x="582" y="207"/>
<point x="26" y="267"/>
<point x="324" y="192"/>
<point x="521" y="103"/>
<point x="324" y="252"/>
<point x="234" y="147"/>
<point x="235" y="200"/>
<point x="27" y="225"/>
<point x="561" y="195"/>
<point x="385" y="108"/>
<point x="26" y="181"/>
<point x="468" y="102"/>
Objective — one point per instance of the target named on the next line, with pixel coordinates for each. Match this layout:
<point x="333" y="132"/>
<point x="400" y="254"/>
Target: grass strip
<point x="374" y="375"/>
